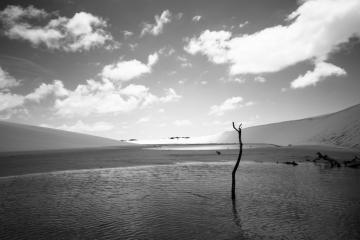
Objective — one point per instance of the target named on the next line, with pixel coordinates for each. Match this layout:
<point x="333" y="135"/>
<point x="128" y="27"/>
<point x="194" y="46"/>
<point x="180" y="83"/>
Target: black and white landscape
<point x="179" y="119"/>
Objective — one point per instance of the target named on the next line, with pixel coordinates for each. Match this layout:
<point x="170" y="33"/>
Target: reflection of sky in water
<point x="183" y="201"/>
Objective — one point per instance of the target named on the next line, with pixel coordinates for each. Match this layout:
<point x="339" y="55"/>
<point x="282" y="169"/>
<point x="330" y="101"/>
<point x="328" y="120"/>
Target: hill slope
<point x="341" y="129"/>
<point x="20" y="137"/>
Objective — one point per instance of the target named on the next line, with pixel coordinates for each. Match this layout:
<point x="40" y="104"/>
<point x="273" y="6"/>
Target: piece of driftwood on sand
<point x="354" y="163"/>
<point x="333" y="162"/>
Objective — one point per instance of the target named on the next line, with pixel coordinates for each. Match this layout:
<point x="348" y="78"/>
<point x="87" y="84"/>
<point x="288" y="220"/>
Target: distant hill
<point x="20" y="137"/>
<point x="340" y="128"/>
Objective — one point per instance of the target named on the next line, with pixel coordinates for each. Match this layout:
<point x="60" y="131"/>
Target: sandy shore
<point x="60" y="160"/>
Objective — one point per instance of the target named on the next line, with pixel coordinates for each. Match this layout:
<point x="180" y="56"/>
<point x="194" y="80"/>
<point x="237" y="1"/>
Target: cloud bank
<point x="314" y="30"/>
<point x="81" y="32"/>
<point x="105" y="97"/>
<point x="93" y="97"/>
<point x="56" y="89"/>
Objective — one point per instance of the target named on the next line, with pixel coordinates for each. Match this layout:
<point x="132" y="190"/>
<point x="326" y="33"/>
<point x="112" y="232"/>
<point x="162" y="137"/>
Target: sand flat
<point x="18" y="163"/>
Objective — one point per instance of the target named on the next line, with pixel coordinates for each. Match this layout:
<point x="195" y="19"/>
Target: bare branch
<point x="235" y="127"/>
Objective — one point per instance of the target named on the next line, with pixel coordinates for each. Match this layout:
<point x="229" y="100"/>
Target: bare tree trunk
<point x="237" y="162"/>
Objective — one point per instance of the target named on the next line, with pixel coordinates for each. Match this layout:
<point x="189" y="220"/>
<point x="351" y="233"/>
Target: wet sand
<point x="60" y="160"/>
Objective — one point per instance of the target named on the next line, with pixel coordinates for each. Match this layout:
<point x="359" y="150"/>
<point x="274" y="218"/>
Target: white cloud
<point x="128" y="70"/>
<point x="196" y="18"/>
<point x="143" y="120"/>
<point x="9" y="101"/>
<point x="213" y="44"/>
<point x="184" y="61"/>
<point x="167" y="51"/>
<point x="158" y="26"/>
<point x="243" y="24"/>
<point x="203" y="82"/>
<point x="8" y="113"/>
<point x="248" y="104"/>
<point x="133" y="46"/>
<point x="153" y="59"/>
<point x="238" y="80"/>
<point x="127" y="33"/>
<point x="14" y="13"/>
<point x="181" y="123"/>
<point x="125" y="70"/>
<point x="171" y="96"/>
<point x="313" y="31"/>
<point x="320" y="72"/>
<point x="105" y="97"/>
<point x="82" y="127"/>
<point x="259" y="79"/>
<point x="6" y="80"/>
<point x="81" y="32"/>
<point x="56" y="89"/>
<point x="93" y="97"/>
<point x="227" y="105"/>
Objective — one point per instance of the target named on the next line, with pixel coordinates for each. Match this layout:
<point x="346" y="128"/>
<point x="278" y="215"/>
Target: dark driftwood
<point x="333" y="162"/>
<point x="354" y="163"/>
<point x="238" y="160"/>
<point x="291" y="163"/>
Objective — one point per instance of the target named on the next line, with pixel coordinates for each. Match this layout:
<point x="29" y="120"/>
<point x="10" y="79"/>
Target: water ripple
<point x="183" y="201"/>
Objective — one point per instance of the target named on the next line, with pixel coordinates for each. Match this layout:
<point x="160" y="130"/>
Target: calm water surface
<point x="183" y="201"/>
<point x="209" y="146"/>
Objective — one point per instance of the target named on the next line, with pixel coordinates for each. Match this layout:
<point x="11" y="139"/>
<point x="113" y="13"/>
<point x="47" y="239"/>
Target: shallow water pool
<point x="183" y="201"/>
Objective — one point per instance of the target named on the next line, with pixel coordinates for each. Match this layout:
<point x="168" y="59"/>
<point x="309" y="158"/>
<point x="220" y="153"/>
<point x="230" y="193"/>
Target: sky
<point x="150" y="69"/>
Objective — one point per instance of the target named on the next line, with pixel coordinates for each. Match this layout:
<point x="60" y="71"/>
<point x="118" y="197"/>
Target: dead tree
<point x="238" y="160"/>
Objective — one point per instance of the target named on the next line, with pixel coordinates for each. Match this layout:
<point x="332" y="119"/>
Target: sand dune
<point x="20" y="137"/>
<point x="340" y="129"/>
